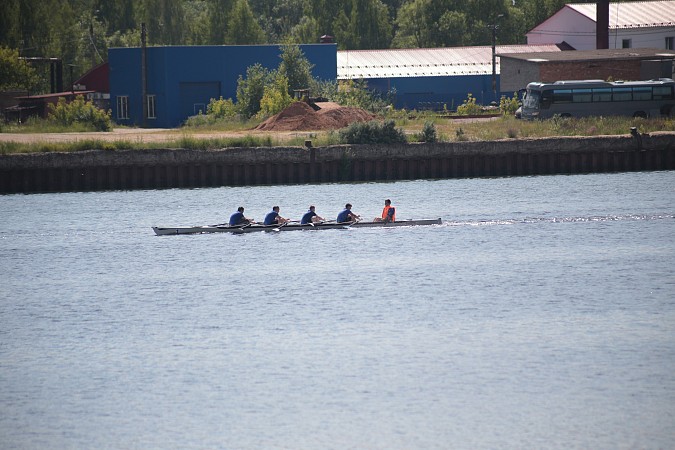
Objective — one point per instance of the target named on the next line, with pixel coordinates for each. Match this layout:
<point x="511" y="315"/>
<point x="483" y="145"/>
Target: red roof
<point x="54" y="95"/>
<point x="97" y="79"/>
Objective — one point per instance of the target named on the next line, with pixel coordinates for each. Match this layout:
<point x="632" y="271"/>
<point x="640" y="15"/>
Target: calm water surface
<point x="541" y="314"/>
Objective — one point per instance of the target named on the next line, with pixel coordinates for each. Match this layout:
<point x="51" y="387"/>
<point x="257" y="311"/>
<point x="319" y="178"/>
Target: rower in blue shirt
<point x="311" y="217"/>
<point x="238" y="218"/>
<point x="347" y="215"/>
<point x="273" y="217"/>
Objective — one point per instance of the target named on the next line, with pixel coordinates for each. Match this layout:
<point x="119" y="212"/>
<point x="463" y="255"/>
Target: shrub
<point x="507" y="105"/>
<point x="250" y="90"/>
<point x="79" y="111"/>
<point x="275" y="97"/>
<point x="461" y="136"/>
<point x="372" y="133"/>
<point x="222" y="108"/>
<point x="469" y="107"/>
<point x="428" y="133"/>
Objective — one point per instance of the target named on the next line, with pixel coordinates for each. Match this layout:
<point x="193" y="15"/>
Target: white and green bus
<point x="579" y="98"/>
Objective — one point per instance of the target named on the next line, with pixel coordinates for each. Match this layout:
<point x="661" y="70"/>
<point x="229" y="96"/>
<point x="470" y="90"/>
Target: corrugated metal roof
<point x="425" y="62"/>
<point x="632" y="14"/>
<point x="621" y="54"/>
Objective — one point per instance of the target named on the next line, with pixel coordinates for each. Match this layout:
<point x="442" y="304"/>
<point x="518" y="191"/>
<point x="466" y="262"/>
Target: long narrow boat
<point x="164" y="231"/>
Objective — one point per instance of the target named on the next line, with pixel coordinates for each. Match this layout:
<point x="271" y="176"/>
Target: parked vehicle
<point x="579" y="98"/>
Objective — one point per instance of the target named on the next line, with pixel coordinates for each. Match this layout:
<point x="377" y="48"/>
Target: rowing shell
<point x="164" y="231"/>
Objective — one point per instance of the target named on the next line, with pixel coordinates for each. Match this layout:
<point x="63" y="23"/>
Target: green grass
<point x="448" y="130"/>
<point x="184" y="141"/>
<point x="36" y="125"/>
<point x="508" y="127"/>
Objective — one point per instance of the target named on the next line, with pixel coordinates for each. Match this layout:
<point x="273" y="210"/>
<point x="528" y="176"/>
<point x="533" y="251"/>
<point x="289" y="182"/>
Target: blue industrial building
<point x="180" y="81"/>
<point x="431" y="78"/>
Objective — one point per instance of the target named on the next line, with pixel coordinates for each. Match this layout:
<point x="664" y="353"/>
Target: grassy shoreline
<point x="448" y="130"/>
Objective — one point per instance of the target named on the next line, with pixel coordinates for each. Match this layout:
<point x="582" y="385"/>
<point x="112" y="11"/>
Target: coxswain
<point x="311" y="217"/>
<point x="273" y="217"/>
<point x="347" y="215"/>
<point x="238" y="218"/>
<point x="388" y="213"/>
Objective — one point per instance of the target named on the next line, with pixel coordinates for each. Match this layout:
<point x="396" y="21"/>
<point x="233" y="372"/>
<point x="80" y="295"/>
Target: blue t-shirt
<point x="271" y="217"/>
<point x="307" y="218"/>
<point x="344" y="216"/>
<point x="236" y="218"/>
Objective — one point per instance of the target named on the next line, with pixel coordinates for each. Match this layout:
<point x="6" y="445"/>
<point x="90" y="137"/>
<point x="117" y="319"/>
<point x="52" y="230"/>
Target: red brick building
<point x="629" y="64"/>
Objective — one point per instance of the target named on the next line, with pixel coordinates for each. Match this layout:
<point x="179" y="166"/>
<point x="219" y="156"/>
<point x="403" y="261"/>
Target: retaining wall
<point x="169" y="168"/>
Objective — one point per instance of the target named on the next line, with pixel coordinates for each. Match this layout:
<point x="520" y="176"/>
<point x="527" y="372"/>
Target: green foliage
<point x="428" y="133"/>
<point x="275" y="97"/>
<point x="372" y="133"/>
<point x="296" y="68"/>
<point x="243" y="27"/>
<point x="81" y="112"/>
<point x="355" y="93"/>
<point x="469" y="107"/>
<point x="14" y="72"/>
<point x="508" y="106"/>
<point x="459" y="133"/>
<point x="189" y="142"/>
<point x="250" y="90"/>
<point x="81" y="31"/>
<point x="222" y="108"/>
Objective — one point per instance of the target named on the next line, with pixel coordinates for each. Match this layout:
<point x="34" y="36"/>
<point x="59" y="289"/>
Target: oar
<point x="320" y="222"/>
<point x="283" y="225"/>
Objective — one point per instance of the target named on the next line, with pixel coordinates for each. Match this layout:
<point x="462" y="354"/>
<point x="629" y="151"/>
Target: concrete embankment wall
<point x="168" y="168"/>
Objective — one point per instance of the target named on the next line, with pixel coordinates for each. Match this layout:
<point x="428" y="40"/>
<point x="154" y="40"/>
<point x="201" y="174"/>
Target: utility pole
<point x="144" y="75"/>
<point x="494" y="27"/>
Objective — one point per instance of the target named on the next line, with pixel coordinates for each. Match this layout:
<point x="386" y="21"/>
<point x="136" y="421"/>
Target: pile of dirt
<point x="299" y="116"/>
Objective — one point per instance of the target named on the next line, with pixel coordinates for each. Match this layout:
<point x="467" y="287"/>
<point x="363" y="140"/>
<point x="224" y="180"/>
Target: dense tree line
<point x="80" y="31"/>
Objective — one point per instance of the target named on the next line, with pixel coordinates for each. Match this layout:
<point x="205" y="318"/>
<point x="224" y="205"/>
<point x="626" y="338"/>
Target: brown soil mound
<point x="299" y="116"/>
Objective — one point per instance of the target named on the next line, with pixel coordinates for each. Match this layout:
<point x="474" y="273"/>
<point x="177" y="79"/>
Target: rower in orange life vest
<point x="388" y="213"/>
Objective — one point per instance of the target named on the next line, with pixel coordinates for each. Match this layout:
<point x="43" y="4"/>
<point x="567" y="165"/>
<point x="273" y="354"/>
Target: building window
<point x="625" y="43"/>
<point x="151" y="107"/>
<point x="669" y="43"/>
<point x="122" y="106"/>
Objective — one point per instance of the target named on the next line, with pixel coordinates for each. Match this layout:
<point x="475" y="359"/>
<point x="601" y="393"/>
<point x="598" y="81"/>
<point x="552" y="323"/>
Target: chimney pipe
<point x="602" y="24"/>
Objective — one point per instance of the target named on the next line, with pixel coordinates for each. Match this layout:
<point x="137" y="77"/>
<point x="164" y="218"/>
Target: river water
<point x="541" y="314"/>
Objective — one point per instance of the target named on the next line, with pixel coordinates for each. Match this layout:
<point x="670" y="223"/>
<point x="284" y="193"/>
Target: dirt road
<point x="154" y="135"/>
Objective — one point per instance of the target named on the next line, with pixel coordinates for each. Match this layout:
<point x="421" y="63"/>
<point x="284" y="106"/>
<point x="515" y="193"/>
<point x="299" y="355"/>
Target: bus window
<point x="581" y="95"/>
<point x="663" y="93"/>
<point x="642" y="93"/>
<point x="602" y="95"/>
<point x="562" y="96"/>
<point x="531" y="100"/>
<point x="546" y="99"/>
<point x="621" y="94"/>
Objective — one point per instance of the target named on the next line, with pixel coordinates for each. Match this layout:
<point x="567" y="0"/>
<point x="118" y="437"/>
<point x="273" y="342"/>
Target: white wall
<point x="579" y="31"/>
<point x="566" y="25"/>
<point x="642" y="38"/>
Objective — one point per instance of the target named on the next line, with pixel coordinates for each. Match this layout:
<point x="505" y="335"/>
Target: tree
<point x="305" y="32"/>
<point x="369" y="26"/>
<point x="164" y="20"/>
<point x="251" y="89"/>
<point x="242" y="26"/>
<point x="296" y="68"/>
<point x="431" y="23"/>
<point x="219" y="16"/>
<point x="275" y="97"/>
<point x="15" y="73"/>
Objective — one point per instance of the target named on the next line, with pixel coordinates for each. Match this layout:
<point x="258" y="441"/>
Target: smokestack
<point x="602" y="24"/>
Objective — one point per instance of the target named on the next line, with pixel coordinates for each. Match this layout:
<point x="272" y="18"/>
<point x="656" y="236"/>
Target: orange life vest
<point x="385" y="213"/>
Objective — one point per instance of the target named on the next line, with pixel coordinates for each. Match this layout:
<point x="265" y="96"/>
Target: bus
<point x="579" y="98"/>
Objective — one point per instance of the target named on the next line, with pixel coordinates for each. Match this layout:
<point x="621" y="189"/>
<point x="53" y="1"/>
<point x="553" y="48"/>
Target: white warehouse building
<point x="631" y="25"/>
